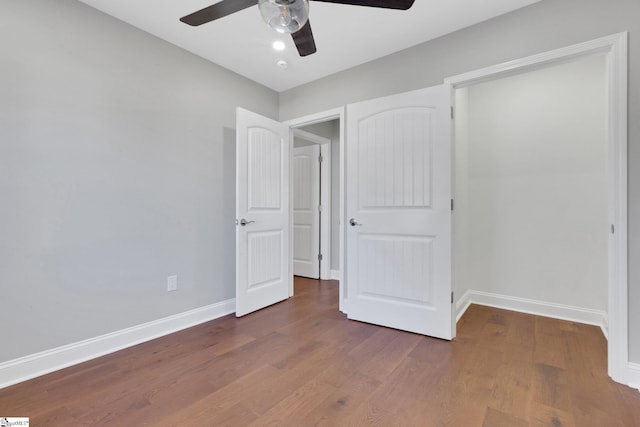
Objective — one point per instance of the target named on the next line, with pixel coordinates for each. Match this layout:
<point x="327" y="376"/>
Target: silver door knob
<point x="244" y="222"/>
<point x="353" y="222"/>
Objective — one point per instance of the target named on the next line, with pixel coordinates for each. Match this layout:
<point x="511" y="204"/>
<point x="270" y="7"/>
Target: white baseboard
<point x="335" y="274"/>
<point x="540" y="308"/>
<point x="35" y="365"/>
<point x="633" y="376"/>
<point x="462" y="305"/>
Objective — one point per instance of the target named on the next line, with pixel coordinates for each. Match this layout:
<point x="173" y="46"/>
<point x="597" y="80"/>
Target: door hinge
<point x="451" y="297"/>
<point x="319" y="208"/>
<point x="451" y="204"/>
<point x="451" y="112"/>
<point x="319" y="257"/>
<point x="320" y="158"/>
<point x="613" y="229"/>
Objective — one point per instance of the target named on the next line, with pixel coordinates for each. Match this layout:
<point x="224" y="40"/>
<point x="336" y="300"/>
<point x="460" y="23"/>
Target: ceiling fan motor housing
<point x="285" y="16"/>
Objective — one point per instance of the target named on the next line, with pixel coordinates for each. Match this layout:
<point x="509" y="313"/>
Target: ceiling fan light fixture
<point x="285" y="16"/>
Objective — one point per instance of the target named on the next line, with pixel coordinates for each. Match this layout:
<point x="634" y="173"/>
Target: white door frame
<point x="615" y="46"/>
<point x="325" y="198"/>
<point x="333" y="114"/>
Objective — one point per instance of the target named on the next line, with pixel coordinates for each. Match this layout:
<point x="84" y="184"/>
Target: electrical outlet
<point x="172" y="283"/>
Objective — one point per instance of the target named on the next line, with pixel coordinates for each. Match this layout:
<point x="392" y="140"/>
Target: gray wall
<point x="543" y="26"/>
<point x="116" y="170"/>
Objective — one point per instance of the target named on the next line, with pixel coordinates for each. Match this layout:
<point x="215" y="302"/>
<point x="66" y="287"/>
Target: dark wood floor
<point x="301" y="363"/>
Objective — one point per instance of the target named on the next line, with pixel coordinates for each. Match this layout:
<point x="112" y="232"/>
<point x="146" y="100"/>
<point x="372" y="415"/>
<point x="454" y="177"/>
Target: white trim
<point x="335" y="274"/>
<point x="325" y="213"/>
<point x="634" y="375"/>
<point x="343" y="306"/>
<point x="531" y="306"/>
<point x="323" y="116"/>
<point x="462" y="305"/>
<point x="603" y="44"/>
<point x="336" y="113"/>
<point x="311" y="137"/>
<point x="35" y="365"/>
<point x="617" y="52"/>
<point x="618" y="253"/>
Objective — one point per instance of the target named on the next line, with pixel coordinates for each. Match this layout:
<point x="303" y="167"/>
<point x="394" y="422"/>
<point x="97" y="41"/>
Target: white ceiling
<point x="345" y="35"/>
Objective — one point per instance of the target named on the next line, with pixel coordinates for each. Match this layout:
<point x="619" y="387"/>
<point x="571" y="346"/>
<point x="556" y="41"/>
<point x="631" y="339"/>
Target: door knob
<point x="244" y="222"/>
<point x="353" y="222"/>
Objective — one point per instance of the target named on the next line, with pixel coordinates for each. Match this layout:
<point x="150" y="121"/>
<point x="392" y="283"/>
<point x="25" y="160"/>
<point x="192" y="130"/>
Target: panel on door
<point x="262" y="212"/>
<point x="306" y="215"/>
<point x="398" y="211"/>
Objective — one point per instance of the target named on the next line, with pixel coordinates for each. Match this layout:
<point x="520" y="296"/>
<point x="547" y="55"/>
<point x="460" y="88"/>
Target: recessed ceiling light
<point x="278" y="45"/>
<point x="282" y="63"/>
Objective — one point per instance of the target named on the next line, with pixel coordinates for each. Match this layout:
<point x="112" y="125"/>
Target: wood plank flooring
<point x="301" y="363"/>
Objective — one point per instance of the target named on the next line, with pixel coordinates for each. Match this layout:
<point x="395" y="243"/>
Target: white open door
<point x="306" y="213"/>
<point x="398" y="177"/>
<point x="262" y="212"/>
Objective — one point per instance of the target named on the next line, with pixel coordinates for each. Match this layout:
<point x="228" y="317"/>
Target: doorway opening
<point x="592" y="167"/>
<point x="311" y="199"/>
<point x="324" y="130"/>
<point x="531" y="191"/>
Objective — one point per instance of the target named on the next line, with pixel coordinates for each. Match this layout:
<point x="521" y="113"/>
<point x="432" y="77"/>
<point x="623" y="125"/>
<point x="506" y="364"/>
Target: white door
<point x="398" y="177"/>
<point x="262" y="212"/>
<point x="306" y="214"/>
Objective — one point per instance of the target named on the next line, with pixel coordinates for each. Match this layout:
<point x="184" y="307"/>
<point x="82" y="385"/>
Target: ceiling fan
<point x="285" y="16"/>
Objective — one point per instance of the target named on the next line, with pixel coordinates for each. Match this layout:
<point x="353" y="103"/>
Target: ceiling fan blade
<point x="216" y="11"/>
<point x="387" y="4"/>
<point x="303" y="38"/>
